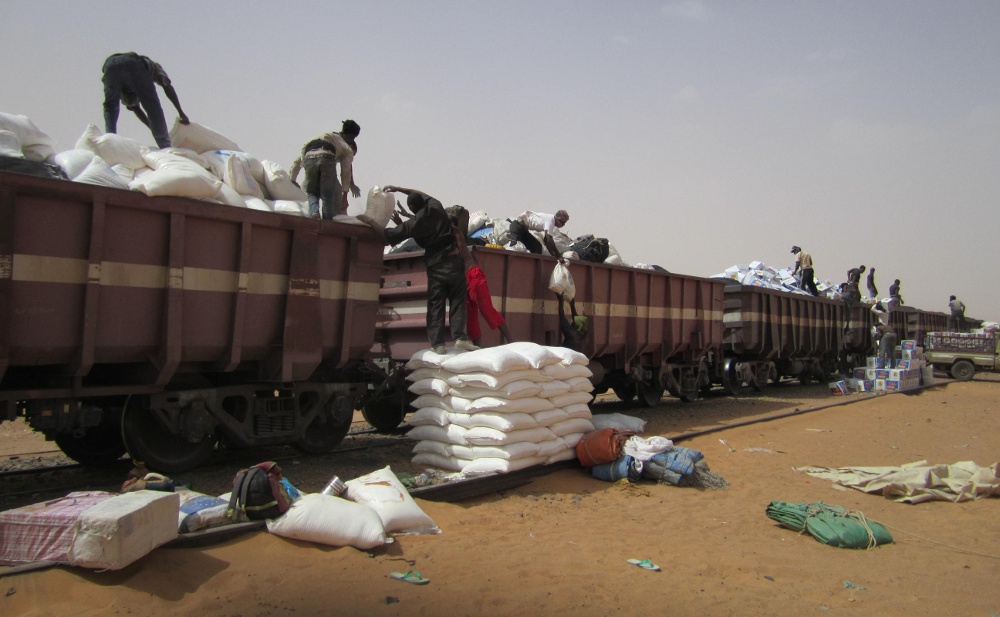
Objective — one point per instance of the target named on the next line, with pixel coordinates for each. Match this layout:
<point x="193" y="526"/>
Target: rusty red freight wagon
<point x="171" y="323"/>
<point x="770" y="334"/>
<point x="648" y="330"/>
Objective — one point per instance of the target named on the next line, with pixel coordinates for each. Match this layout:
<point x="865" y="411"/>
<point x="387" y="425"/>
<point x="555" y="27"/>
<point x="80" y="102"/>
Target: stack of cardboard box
<point x="908" y="374"/>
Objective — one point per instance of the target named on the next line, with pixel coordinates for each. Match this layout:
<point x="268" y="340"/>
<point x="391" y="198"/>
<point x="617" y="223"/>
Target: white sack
<point x="451" y="433"/>
<point x="330" y="520"/>
<point x="255" y="203"/>
<point x="383" y="492"/>
<point x="513" y="390"/>
<point x="510" y="451"/>
<point x="572" y="425"/>
<point x="199" y="138"/>
<point x="126" y="173"/>
<point x="379" y="206"/>
<point x="228" y="195"/>
<point x="437" y="461"/>
<point x="279" y="185"/>
<point x="114" y="149"/>
<point x="36" y="145"/>
<point x="73" y="162"/>
<point x="481" y="436"/>
<point x="10" y="145"/>
<point x="561" y="281"/>
<point x="176" y="175"/>
<point x="618" y="421"/>
<point x="286" y="206"/>
<point x="498" y="421"/>
<point x="188" y="154"/>
<point x="488" y="466"/>
<point x="100" y="173"/>
<point x="566" y="372"/>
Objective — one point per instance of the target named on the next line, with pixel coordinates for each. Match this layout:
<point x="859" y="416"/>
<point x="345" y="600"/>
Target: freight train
<point x="163" y="326"/>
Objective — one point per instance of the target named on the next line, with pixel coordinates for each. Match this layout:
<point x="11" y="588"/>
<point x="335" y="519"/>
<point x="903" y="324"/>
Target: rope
<point x="951" y="546"/>
<point x="859" y="516"/>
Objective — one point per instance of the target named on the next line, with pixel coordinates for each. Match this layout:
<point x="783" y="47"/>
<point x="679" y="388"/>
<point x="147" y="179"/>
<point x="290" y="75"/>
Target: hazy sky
<point x="695" y="135"/>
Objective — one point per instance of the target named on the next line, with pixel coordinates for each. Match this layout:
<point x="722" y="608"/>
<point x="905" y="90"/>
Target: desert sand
<point x="559" y="545"/>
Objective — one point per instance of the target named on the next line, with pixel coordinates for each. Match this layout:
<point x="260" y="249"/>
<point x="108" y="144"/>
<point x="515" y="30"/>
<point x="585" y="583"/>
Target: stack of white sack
<point x="499" y="409"/>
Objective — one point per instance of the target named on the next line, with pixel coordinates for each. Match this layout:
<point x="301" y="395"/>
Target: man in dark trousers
<point x="957" y="308"/>
<point x="872" y="289"/>
<point x="319" y="157"/>
<point x="897" y="300"/>
<point x="431" y="228"/>
<point x="804" y="263"/>
<point x="852" y="289"/>
<point x="887" y="341"/>
<point x="528" y="221"/>
<point x="131" y="79"/>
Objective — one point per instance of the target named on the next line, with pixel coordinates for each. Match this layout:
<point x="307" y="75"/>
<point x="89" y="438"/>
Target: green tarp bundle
<point x="830" y="524"/>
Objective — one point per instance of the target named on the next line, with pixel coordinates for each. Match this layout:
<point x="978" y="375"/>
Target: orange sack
<point x="600" y="447"/>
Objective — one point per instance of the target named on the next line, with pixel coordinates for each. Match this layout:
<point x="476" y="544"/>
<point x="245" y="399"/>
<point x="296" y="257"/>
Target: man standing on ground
<point x="528" y="221"/>
<point x="804" y="263"/>
<point x="131" y="79"/>
<point x="957" y="314"/>
<point x="433" y="231"/>
<point x="319" y="158"/>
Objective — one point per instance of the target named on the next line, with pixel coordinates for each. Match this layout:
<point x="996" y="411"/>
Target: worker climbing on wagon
<point x="957" y="308"/>
<point x="852" y="289"/>
<point x="319" y="158"/>
<point x="131" y="79"/>
<point x="804" y="264"/>
<point x="872" y="289"/>
<point x="430" y="226"/>
<point x="528" y="221"/>
<point x="897" y="300"/>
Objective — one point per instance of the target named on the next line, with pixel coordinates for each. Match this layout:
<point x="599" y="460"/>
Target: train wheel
<point x="97" y="447"/>
<point x="963" y="370"/>
<point x="651" y="392"/>
<point x="387" y="412"/>
<point x="625" y="392"/>
<point x="148" y="440"/>
<point x="732" y="380"/>
<point x="762" y="380"/>
<point x="328" y="428"/>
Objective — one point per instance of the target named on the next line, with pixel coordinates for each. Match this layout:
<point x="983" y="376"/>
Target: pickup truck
<point x="962" y="354"/>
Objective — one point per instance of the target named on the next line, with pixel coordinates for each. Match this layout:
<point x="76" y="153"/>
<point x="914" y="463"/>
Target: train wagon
<point x="911" y="323"/>
<point x="649" y="331"/>
<point x="163" y="325"/>
<point x="771" y="334"/>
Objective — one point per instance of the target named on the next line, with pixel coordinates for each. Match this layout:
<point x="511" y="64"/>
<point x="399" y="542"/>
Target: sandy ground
<point x="559" y="545"/>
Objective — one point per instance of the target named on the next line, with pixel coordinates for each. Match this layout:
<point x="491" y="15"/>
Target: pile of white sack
<point x="499" y="409"/>
<point x="201" y="164"/>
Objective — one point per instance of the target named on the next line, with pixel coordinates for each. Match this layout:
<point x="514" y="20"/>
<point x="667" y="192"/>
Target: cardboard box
<point x="838" y="388"/>
<point x="880" y="385"/>
<point x="870" y="373"/>
<point x="860" y="373"/>
<point x="892" y="385"/>
<point x="882" y="373"/>
<point x="908" y="344"/>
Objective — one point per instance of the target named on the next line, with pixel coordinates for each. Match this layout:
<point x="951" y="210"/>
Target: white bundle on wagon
<point x="500" y="409"/>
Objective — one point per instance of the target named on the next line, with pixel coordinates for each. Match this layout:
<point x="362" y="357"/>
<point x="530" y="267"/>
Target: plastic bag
<point x="561" y="281"/>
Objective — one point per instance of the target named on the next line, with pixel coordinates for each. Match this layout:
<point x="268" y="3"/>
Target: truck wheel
<point x="328" y="428"/>
<point x="963" y="370"/>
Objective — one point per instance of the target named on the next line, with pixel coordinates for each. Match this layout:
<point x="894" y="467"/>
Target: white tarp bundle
<point x="500" y="409"/>
<point x="917" y="482"/>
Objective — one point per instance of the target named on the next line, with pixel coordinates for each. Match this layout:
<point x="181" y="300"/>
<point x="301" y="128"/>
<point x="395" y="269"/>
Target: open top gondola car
<point x="165" y="324"/>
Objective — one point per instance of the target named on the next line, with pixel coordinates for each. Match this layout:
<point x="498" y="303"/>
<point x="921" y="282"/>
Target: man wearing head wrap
<point x="804" y="262"/>
<point x="319" y="158"/>
<point x="528" y="221"/>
